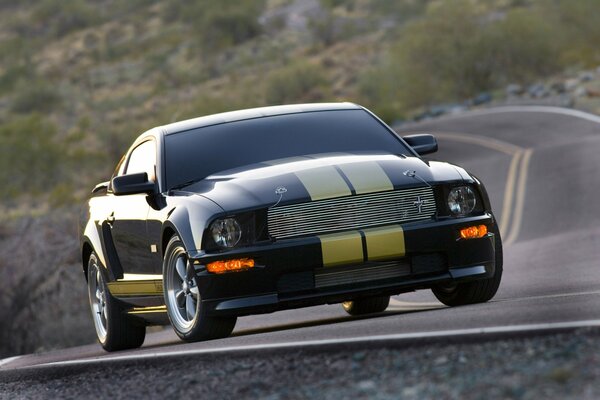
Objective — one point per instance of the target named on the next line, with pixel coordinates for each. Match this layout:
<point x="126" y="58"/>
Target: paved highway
<point x="541" y="167"/>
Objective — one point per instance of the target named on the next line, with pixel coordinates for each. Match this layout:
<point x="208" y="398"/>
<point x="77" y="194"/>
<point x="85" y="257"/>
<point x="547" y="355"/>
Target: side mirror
<point x="422" y="143"/>
<point x="132" y="184"/>
<point x="102" y="186"/>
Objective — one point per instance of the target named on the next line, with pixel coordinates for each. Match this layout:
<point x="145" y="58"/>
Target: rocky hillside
<point x="79" y="80"/>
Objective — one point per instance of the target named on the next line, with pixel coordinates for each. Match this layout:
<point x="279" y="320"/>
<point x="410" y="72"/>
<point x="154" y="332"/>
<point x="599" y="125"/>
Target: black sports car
<point x="282" y="207"/>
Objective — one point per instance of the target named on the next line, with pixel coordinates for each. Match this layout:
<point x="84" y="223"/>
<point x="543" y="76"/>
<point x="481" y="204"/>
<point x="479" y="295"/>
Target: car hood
<point x="302" y="179"/>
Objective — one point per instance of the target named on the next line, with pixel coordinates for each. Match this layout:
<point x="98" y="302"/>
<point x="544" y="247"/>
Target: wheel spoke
<point x="180" y="298"/>
<point x="98" y="277"/>
<point x="190" y="307"/>
<point x="194" y="291"/>
<point x="180" y="267"/>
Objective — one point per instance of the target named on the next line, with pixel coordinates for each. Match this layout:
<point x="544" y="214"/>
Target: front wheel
<point x="369" y="305"/>
<point x="114" y="329"/>
<point x="184" y="302"/>
<point x="480" y="291"/>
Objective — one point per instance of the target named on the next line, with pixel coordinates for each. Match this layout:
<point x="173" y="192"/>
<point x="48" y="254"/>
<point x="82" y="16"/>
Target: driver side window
<point x="143" y="159"/>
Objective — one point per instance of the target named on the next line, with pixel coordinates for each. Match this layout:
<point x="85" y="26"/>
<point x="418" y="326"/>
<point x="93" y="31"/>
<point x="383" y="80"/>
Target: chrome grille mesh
<point x="352" y="212"/>
<point x="364" y="273"/>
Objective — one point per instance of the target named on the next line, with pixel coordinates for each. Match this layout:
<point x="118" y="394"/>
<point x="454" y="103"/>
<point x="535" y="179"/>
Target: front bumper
<point x="291" y="273"/>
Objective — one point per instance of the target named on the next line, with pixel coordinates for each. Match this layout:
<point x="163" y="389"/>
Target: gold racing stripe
<point x="323" y="183"/>
<point x="385" y="243"/>
<point x="147" y="310"/>
<point x="367" y="177"/>
<point x="136" y="287"/>
<point x="341" y="248"/>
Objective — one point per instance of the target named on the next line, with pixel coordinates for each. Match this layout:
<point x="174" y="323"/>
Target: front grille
<point x="352" y="212"/>
<point x="363" y="273"/>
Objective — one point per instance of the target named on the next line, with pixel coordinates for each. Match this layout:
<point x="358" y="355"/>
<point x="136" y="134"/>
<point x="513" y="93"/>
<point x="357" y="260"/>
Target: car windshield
<point x="198" y="153"/>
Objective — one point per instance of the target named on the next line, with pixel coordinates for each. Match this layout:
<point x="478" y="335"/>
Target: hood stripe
<point x="323" y="183"/>
<point x="367" y="177"/>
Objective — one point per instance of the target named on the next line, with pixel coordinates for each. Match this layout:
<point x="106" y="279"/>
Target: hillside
<point x="79" y="80"/>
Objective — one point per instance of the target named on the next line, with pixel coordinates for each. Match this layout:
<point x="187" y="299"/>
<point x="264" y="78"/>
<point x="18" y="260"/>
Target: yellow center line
<point x="508" y="193"/>
<point x="520" y="199"/>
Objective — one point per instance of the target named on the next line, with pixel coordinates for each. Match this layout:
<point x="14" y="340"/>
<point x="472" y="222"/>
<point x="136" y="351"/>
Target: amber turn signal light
<point x="474" y="232"/>
<point x="219" y="267"/>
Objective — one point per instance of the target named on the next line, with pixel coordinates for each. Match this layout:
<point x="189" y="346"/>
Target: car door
<point x="130" y="212"/>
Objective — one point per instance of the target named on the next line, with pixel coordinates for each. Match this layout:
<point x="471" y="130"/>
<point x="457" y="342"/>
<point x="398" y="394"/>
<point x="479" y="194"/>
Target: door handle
<point x="111" y="218"/>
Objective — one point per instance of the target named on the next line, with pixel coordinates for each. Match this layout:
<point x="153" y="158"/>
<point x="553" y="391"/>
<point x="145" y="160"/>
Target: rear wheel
<point x="368" y="305"/>
<point x="114" y="329"/>
<point x="480" y="291"/>
<point x="184" y="302"/>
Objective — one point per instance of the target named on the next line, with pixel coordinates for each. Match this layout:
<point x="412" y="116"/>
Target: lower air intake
<point x="365" y="273"/>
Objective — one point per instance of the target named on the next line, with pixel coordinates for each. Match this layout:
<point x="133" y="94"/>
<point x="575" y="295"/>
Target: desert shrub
<point x="31" y="159"/>
<point x="12" y="75"/>
<point x="62" y="17"/>
<point x="577" y="23"/>
<point x="35" y="96"/>
<point x="216" y="28"/>
<point x="49" y="312"/>
<point x="456" y="51"/>
<point x="302" y="82"/>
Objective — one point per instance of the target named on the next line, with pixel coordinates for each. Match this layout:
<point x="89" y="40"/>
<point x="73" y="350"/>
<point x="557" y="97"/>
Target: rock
<point x="571" y="84"/>
<point x="367" y="385"/>
<point x="359" y="356"/>
<point x="457" y="109"/>
<point x="580" y="92"/>
<point x="586" y="76"/>
<point x="440" y="360"/>
<point x="482" y="98"/>
<point x="537" y="90"/>
<point x="593" y="92"/>
<point x="514" y="90"/>
<point x="559" y="87"/>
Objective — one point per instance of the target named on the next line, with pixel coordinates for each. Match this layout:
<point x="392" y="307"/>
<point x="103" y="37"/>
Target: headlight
<point x="461" y="201"/>
<point x="226" y="232"/>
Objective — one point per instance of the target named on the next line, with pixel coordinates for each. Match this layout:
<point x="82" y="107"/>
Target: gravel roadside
<point x="558" y="366"/>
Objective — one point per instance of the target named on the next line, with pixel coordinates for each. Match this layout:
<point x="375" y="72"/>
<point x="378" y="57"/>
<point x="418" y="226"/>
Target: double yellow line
<point x="516" y="181"/>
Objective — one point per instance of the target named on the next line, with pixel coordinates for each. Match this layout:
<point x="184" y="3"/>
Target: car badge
<point x="280" y="191"/>
<point x="419" y="203"/>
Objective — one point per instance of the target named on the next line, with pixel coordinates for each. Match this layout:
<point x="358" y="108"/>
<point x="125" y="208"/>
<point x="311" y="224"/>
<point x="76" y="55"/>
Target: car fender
<point x="189" y="221"/>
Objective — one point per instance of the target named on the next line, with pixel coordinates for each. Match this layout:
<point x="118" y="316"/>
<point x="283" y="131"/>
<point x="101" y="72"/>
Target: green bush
<point x="457" y="50"/>
<point x="296" y="83"/>
<point x="31" y="159"/>
<point x="62" y="17"/>
<point x="35" y="96"/>
<point x="217" y="27"/>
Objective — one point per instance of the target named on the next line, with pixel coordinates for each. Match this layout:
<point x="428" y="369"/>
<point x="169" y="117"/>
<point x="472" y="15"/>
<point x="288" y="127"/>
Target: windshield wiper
<point x="184" y="184"/>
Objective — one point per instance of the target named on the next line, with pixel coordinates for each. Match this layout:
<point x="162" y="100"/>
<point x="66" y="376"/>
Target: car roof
<point x="253" y="113"/>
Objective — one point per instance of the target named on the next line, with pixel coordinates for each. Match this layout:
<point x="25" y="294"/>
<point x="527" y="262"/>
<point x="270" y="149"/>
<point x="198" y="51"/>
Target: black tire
<point x="474" y="292"/>
<point x="114" y="329"/>
<point x="368" y="305"/>
<point x="189" y="328"/>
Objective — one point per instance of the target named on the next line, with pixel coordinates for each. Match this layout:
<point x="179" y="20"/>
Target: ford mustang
<point x="275" y="208"/>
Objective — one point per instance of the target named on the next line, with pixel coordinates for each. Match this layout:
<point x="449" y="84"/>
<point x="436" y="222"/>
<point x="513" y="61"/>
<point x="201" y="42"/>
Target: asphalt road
<point x="541" y="167"/>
